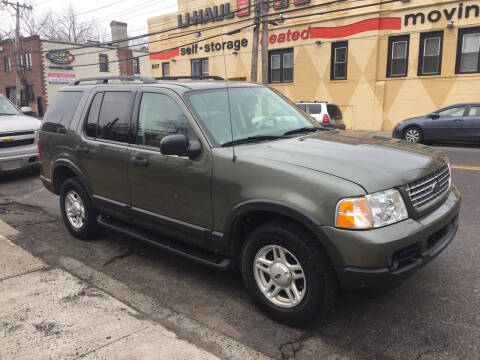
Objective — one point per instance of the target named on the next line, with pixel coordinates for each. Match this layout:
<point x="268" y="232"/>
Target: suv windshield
<point x="6" y="107"/>
<point x="256" y="112"/>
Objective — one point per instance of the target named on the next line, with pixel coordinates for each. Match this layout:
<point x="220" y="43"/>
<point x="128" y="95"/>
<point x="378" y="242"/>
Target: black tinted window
<point x="302" y="106"/>
<point x="60" y="112"/>
<point x="334" y="111"/>
<point x="159" y="116"/>
<point x="92" y="118"/>
<point x="314" y="109"/>
<point x="114" y="119"/>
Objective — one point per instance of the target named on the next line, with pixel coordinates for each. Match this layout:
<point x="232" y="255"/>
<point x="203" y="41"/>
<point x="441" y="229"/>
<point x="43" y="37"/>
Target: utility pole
<point x="256" y="31"/>
<point x="265" y="42"/>
<point x="17" y="6"/>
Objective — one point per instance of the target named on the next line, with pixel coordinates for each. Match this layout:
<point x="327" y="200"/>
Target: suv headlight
<point x="371" y="211"/>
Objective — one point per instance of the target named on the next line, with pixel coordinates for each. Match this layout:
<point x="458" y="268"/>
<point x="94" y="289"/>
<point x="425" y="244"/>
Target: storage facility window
<point x="165" y="69"/>
<point x="430" y="55"/>
<point x="468" y="60"/>
<point x="339" y="61"/>
<point x="199" y="68"/>
<point x="280" y="66"/>
<point x="103" y="60"/>
<point x="397" y="65"/>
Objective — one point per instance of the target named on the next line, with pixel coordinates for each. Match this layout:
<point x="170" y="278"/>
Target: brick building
<point x="47" y="66"/>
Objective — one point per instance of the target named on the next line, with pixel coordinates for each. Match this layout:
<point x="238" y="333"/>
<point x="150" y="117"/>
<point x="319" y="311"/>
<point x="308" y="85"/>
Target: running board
<point x="175" y="247"/>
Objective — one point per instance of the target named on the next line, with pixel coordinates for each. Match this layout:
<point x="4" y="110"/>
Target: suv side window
<point x="314" y="108"/>
<point x="115" y="114"/>
<point x="61" y="111"/>
<point x="92" y="119"/>
<point x="159" y="116"/>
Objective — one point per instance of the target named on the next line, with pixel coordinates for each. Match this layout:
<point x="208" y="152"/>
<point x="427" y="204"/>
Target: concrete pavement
<point x="51" y="314"/>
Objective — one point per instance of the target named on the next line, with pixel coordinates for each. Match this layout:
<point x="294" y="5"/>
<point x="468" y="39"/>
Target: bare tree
<point x="34" y="24"/>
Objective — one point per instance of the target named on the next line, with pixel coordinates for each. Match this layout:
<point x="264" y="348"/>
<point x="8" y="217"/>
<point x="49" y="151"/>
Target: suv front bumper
<point x="19" y="158"/>
<point x="380" y="258"/>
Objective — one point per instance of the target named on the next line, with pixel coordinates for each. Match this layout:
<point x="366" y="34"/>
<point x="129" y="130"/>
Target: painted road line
<point x="474" y="168"/>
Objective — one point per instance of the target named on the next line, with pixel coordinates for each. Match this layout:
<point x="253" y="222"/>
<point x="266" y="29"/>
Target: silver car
<point x="18" y="138"/>
<point x="325" y="113"/>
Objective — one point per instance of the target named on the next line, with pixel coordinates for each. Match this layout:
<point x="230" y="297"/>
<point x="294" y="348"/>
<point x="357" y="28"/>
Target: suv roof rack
<point x="106" y="79"/>
<point x="208" y="77"/>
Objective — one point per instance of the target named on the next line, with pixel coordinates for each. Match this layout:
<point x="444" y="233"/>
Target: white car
<point x="325" y="113"/>
<point x="18" y="138"/>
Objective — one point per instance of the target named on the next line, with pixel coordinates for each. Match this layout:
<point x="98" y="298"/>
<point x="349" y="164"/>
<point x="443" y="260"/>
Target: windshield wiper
<point x="252" y="139"/>
<point x="303" y="130"/>
<point x="7" y="114"/>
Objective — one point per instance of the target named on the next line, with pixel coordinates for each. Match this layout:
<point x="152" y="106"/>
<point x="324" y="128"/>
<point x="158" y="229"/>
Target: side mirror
<point x="26" y="110"/>
<point x="180" y="145"/>
<point x="433" y="116"/>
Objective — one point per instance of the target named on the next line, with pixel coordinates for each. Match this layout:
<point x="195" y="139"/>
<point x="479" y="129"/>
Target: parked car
<point x="326" y="113"/>
<point x="239" y="176"/>
<point x="460" y="122"/>
<point x="18" y="134"/>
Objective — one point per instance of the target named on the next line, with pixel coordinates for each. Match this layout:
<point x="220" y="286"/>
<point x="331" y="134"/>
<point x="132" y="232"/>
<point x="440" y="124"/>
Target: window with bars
<point x="430" y="55"/>
<point x="280" y="66"/>
<point x="165" y="69"/>
<point x="26" y="61"/>
<point x="397" y="65"/>
<point x="103" y="62"/>
<point x="136" y="65"/>
<point x="199" y="68"/>
<point x="339" y="61"/>
<point x="6" y="64"/>
<point x="468" y="48"/>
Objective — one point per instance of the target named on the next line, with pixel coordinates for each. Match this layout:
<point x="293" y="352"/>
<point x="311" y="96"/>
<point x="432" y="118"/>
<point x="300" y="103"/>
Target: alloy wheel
<point x="412" y="135"/>
<point x="75" y="209"/>
<point x="279" y="276"/>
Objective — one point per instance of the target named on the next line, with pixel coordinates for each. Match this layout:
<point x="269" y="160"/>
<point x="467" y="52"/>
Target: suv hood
<point x="373" y="162"/>
<point x="11" y="123"/>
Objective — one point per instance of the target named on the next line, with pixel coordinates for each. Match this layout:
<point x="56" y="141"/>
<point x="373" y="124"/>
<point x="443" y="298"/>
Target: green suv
<point x="234" y="174"/>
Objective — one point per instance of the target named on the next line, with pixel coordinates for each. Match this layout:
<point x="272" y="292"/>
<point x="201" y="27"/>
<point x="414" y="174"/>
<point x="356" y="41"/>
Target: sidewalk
<point x="51" y="314"/>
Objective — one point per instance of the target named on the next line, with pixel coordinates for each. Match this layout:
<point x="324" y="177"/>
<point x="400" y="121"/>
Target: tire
<point x="88" y="228"/>
<point x="319" y="284"/>
<point x="413" y="134"/>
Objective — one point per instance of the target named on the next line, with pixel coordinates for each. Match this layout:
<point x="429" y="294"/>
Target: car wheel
<point x="78" y="212"/>
<point x="413" y="134"/>
<point x="286" y="274"/>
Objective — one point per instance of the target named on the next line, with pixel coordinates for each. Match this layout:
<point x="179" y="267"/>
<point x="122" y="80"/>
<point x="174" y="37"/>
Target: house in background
<point x="47" y="66"/>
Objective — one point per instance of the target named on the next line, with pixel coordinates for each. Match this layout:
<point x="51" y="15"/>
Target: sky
<point x="133" y="12"/>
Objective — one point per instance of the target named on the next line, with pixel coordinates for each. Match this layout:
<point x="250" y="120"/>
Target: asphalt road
<point x="435" y="314"/>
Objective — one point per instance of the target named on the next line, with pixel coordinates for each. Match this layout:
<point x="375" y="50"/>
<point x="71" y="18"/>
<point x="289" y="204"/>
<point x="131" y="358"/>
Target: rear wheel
<point x="78" y="212"/>
<point x="286" y="274"/>
<point x="413" y="134"/>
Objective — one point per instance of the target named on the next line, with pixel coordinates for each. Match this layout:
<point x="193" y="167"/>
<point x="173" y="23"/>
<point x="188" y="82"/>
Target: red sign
<point x="290" y="35"/>
<point x="60" y="78"/>
<point x="388" y="23"/>
<point x="165" y="55"/>
<point x="243" y="8"/>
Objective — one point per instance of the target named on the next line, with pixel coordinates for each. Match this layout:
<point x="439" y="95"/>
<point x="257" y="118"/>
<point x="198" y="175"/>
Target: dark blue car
<point x="460" y="122"/>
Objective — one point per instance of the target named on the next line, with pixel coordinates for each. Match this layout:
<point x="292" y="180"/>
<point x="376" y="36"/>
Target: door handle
<point x="458" y="120"/>
<point x="139" y="161"/>
<point x="82" y="149"/>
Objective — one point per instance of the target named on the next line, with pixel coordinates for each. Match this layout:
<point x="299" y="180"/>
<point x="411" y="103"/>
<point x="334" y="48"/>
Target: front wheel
<point x="287" y="275"/>
<point x="413" y="134"/>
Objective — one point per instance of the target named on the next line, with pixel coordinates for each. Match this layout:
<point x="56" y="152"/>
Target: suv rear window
<point x="334" y="111"/>
<point x="60" y="112"/>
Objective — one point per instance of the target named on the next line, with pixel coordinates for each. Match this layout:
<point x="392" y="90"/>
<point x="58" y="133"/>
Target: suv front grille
<point x="14" y="143"/>
<point x="426" y="190"/>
